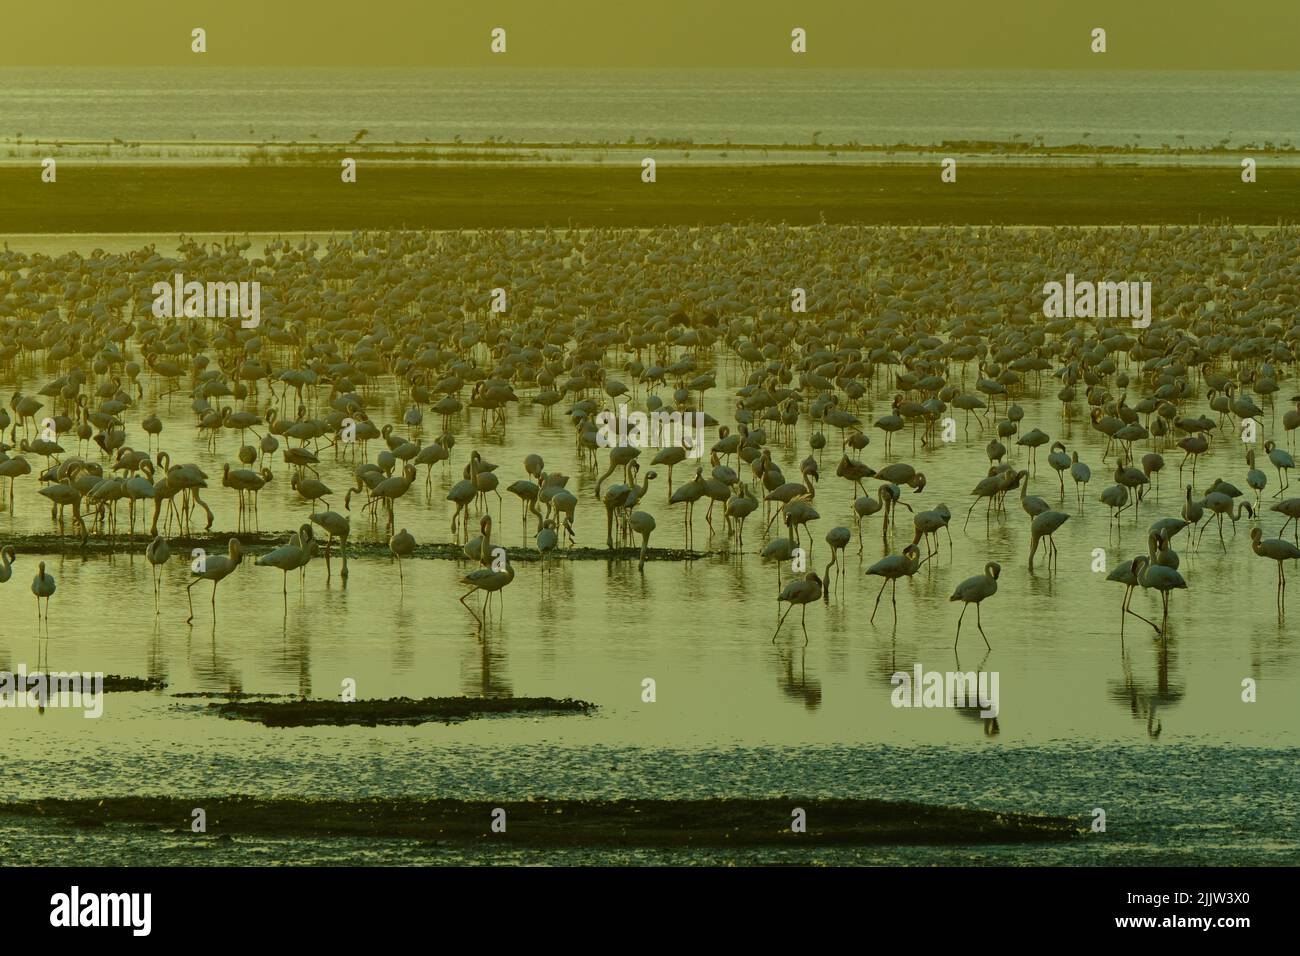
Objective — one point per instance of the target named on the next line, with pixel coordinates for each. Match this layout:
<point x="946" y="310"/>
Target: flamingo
<point x="1291" y="508"/>
<point x="489" y="581"/>
<point x="975" y="591"/>
<point x="804" y="591"/>
<point x="1081" y="474"/>
<point x="1282" y="461"/>
<point x="987" y="488"/>
<point x="1044" y="526"/>
<point x="1220" y="504"/>
<point x="1125" y="573"/>
<point x="688" y="494"/>
<point x="642" y="523"/>
<point x="1160" y="578"/>
<point x="1032" y="505"/>
<point x="779" y="551"/>
<point x="215" y="569"/>
<point x="402" y="545"/>
<point x="42" y="587"/>
<point x="928" y="524"/>
<point x="548" y="538"/>
<point x="1060" y="462"/>
<point x="289" y="556"/>
<point x="1279" y="550"/>
<point x="838" y="538"/>
<point x="158" y="553"/>
<point x="336" y="526"/>
<point x="892" y="568"/>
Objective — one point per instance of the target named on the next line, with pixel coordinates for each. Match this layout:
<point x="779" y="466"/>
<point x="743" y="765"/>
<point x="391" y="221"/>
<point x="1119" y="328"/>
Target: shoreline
<point x="236" y="155"/>
<point x="286" y="200"/>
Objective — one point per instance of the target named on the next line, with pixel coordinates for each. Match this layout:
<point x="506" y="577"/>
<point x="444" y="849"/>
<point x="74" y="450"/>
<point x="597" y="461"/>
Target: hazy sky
<point x="1142" y="34"/>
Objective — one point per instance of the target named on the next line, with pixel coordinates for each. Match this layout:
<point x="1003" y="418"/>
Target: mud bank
<point x="543" y="822"/>
<point x="396" y="711"/>
<point x="255" y="543"/>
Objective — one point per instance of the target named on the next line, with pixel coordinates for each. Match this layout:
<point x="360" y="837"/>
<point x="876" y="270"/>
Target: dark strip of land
<point x="253" y="542"/>
<point x="115" y="682"/>
<point x="233" y="199"/>
<point x="110" y="683"/>
<point x="395" y="711"/>
<point x="717" y="822"/>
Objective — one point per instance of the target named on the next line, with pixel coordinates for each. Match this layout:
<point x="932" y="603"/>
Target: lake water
<point x="1157" y="735"/>
<point x="773" y="107"/>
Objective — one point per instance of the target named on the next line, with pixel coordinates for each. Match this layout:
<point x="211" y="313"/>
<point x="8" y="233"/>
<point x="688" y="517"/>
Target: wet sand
<point x="291" y="199"/>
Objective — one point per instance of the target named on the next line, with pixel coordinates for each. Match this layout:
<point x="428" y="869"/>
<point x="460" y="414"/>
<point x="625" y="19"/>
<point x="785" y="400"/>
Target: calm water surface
<point x="1157" y="735"/>
<point x="786" y="106"/>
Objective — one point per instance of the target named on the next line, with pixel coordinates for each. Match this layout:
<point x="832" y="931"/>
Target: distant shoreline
<point x="26" y="152"/>
<point x="312" y="198"/>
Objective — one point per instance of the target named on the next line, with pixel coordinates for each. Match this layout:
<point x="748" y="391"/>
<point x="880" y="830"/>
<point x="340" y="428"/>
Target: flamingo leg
<point x="1128" y="606"/>
<point x="878" y="597"/>
<point x="780" y="622"/>
<point x="467" y="607"/>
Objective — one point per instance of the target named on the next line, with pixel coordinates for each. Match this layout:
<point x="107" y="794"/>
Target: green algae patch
<point x="395" y="711"/>
<point x="568" y="823"/>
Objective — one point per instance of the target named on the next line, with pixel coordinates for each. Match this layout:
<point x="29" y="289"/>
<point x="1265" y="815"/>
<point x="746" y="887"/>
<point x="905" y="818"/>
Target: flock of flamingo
<point x="911" y="338"/>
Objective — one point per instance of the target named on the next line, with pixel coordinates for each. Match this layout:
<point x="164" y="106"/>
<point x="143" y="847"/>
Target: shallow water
<point x="1156" y="734"/>
<point x="785" y="106"/>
